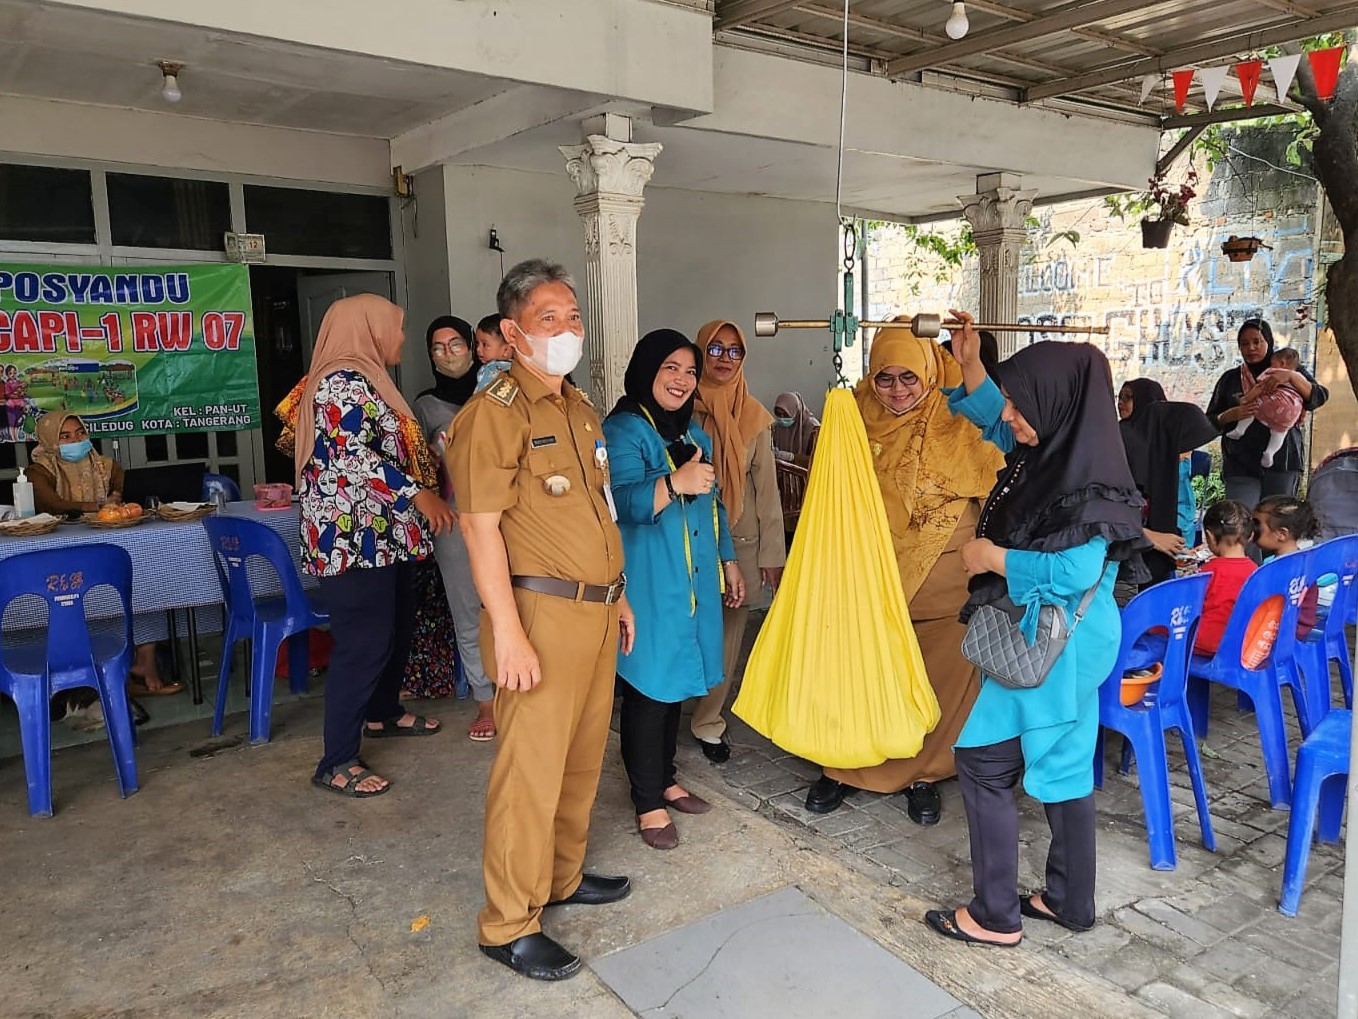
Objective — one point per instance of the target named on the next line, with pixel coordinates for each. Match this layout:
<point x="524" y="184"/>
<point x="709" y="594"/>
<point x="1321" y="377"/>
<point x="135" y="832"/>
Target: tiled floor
<point x="1203" y="940"/>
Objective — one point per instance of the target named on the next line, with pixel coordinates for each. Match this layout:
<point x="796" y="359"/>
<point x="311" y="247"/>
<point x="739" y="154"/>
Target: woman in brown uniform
<point x="933" y="469"/>
<point x="742" y="440"/>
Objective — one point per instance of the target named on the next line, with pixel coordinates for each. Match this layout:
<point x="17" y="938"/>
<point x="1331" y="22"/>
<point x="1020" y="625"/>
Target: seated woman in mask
<point x="69" y="476"/>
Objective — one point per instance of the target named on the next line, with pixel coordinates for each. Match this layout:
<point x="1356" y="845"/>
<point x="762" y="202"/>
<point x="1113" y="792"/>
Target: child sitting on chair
<point x="1283" y="525"/>
<point x="1226" y="528"/>
<point x="1277" y="404"/>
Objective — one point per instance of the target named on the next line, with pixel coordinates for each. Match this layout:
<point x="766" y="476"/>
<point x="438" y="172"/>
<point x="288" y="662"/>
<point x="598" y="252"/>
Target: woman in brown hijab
<point x="70" y="477"/>
<point x="743" y="457"/>
<point x="934" y="470"/>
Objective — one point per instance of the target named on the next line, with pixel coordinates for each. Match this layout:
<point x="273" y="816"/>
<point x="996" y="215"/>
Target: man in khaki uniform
<point x="530" y="470"/>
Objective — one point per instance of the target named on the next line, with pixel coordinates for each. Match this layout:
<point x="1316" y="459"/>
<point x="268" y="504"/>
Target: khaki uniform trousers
<point x="546" y="771"/>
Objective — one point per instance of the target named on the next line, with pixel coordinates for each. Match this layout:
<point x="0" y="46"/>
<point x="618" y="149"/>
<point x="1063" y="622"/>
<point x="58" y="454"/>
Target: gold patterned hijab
<point x="734" y="418"/>
<point x="84" y="481"/>
<point x="929" y="462"/>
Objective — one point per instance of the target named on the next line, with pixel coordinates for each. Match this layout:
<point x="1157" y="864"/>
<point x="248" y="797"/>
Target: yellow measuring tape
<point x="688" y="544"/>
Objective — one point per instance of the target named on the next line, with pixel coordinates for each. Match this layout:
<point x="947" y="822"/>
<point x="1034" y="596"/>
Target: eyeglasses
<point x="717" y="352"/>
<point x="885" y="380"/>
<point x="1124" y="397"/>
<point x="452" y="347"/>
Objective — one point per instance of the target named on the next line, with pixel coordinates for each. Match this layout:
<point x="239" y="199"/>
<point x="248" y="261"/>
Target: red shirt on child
<point x="1228" y="577"/>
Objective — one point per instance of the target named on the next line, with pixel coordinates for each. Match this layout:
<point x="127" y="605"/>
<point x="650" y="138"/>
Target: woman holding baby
<point x="1259" y="406"/>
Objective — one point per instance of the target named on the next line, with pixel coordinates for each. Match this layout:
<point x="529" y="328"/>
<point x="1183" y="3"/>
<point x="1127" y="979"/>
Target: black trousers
<point x="988" y="776"/>
<point x="372" y="618"/>
<point x="649" y="731"/>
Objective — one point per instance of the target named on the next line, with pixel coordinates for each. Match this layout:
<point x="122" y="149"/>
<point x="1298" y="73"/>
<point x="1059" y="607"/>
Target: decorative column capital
<point x="994" y="213"/>
<point x="605" y="166"/>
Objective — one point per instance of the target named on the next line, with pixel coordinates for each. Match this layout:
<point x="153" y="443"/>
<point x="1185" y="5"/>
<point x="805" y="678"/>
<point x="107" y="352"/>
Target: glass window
<point x="45" y="203"/>
<point x="295" y="221"/>
<point x="226" y="443"/>
<point x="165" y="212"/>
<point x="157" y="449"/>
<point x="191" y="446"/>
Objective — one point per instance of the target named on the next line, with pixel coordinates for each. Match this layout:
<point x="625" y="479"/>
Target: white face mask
<point x="555" y="355"/>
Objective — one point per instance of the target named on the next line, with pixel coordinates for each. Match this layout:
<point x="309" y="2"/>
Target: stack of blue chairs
<point x="265" y="622"/>
<point x="1174" y="606"/>
<point x="1329" y="642"/>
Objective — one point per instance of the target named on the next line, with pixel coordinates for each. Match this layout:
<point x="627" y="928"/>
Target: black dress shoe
<point x="536" y="956"/>
<point x="825" y="795"/>
<point x="717" y="753"/>
<point x="595" y="890"/>
<point x="923" y="805"/>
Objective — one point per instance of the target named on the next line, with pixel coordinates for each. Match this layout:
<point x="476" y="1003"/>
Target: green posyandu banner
<point x="134" y="350"/>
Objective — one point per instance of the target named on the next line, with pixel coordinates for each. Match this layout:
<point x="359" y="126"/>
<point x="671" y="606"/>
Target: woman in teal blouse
<point x="1063" y="508"/>
<point x="680" y="569"/>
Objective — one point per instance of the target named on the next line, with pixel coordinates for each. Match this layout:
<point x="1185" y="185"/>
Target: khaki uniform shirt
<point x="511" y="444"/>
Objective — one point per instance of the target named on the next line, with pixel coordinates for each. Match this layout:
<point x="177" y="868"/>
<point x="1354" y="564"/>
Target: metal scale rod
<point x="925" y="326"/>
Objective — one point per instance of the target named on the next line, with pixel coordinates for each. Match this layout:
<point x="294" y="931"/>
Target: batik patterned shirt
<point x="357" y="499"/>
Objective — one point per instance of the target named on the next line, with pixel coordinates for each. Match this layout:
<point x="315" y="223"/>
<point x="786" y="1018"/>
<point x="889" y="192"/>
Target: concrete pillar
<point x="610" y="173"/>
<point x="996" y="213"/>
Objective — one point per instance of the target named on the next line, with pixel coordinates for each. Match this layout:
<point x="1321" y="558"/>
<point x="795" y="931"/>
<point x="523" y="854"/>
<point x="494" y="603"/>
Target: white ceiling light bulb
<point x="169" y="89"/>
<point x="957" y="23"/>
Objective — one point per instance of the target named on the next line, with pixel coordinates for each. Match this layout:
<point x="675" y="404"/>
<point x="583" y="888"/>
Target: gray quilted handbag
<point x="995" y="645"/>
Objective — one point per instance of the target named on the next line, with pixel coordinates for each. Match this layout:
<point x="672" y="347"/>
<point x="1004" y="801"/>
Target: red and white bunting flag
<point x="1183" y="79"/>
<point x="1284" y="69"/>
<point x="1325" y="67"/>
<point x="1248" y="71"/>
<point x="1212" y="80"/>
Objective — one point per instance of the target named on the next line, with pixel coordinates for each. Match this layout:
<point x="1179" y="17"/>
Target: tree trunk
<point x="1334" y="157"/>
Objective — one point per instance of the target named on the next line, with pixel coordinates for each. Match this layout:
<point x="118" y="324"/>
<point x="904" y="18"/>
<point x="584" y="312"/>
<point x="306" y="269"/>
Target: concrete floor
<point x="229" y="886"/>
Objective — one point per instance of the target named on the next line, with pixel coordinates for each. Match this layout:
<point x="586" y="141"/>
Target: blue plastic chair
<point x="213" y="483"/>
<point x="32" y="671"/>
<point x="1317" y="799"/>
<point x="1285" y="579"/>
<point x="1328" y="642"/>
<point x="1176" y="606"/>
<point x="265" y="622"/>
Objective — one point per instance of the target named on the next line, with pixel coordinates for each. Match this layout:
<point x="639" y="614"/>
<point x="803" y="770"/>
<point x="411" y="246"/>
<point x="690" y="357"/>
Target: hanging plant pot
<point x="1242" y="249"/>
<point x="1155" y="232"/>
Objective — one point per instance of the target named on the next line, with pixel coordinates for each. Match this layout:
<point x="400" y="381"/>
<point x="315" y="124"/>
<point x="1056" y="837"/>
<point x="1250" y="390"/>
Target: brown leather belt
<point x="571" y="589"/>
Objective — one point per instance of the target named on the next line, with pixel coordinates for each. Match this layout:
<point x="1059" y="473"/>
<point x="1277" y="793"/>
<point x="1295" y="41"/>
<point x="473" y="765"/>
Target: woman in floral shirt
<point x="368" y="505"/>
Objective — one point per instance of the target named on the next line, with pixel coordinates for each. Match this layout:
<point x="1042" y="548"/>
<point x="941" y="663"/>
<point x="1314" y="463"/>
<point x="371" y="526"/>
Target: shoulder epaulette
<point x="503" y="389"/>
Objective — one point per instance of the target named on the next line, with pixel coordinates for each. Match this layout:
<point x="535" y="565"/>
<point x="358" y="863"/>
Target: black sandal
<point x="326" y="780"/>
<point x="1027" y="908"/>
<point x="392" y="728"/>
<point x="945" y="923"/>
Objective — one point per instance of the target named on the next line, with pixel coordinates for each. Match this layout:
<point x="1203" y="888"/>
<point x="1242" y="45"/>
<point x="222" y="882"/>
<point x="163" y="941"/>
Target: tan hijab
<point x="360" y="333"/>
<point x="734" y="418"/>
<point x="86" y="481"/>
<point x="929" y="462"/>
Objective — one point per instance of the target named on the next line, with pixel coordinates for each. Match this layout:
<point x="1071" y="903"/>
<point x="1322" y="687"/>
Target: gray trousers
<point x="1250" y="491"/>
<point x="465" y="605"/>
<point x="988" y="776"/>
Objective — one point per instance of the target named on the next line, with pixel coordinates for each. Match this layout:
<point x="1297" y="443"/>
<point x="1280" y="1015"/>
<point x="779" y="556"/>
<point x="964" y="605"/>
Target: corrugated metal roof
<point x="1067" y="52"/>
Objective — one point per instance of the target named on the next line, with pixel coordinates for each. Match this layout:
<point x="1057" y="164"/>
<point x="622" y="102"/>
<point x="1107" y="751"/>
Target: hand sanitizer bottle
<point x="23" y="495"/>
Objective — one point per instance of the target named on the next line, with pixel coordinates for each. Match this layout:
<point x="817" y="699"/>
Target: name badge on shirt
<point x="540" y="441"/>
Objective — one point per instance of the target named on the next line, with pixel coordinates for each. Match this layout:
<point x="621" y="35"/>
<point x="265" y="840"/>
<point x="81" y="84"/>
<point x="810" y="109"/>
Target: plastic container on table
<point x="273" y="496"/>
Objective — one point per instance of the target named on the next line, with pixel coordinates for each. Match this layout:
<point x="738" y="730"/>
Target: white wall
<point x="533" y="215"/>
<point x="427" y="288"/>
<point x="699" y="256"/>
<point x="705" y="256"/>
<point x="48" y="127"/>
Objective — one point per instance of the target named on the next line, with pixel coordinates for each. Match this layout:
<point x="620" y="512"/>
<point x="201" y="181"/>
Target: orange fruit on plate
<point x="131" y="510"/>
<point x="109" y="512"/>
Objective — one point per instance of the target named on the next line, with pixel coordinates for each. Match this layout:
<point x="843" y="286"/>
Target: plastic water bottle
<point x="23" y="495"/>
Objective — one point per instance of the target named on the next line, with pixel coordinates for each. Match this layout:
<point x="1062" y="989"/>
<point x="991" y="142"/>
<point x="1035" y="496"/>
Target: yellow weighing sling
<point x="836" y="674"/>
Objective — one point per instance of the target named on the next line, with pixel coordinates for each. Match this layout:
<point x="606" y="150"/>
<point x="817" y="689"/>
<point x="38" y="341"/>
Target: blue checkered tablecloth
<point x="171" y="567"/>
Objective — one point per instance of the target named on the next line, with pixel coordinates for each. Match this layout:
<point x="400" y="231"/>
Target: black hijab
<point x="1166" y="431"/>
<point x="1074" y="485"/>
<point x="445" y="387"/>
<point x="1267" y="330"/>
<point x="1145" y="394"/>
<point x="639" y="384"/>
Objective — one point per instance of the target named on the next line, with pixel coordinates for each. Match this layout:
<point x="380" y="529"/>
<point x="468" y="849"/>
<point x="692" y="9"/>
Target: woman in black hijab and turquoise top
<point x="681" y="568"/>
<point x="1063" y="513"/>
<point x="1245" y="479"/>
